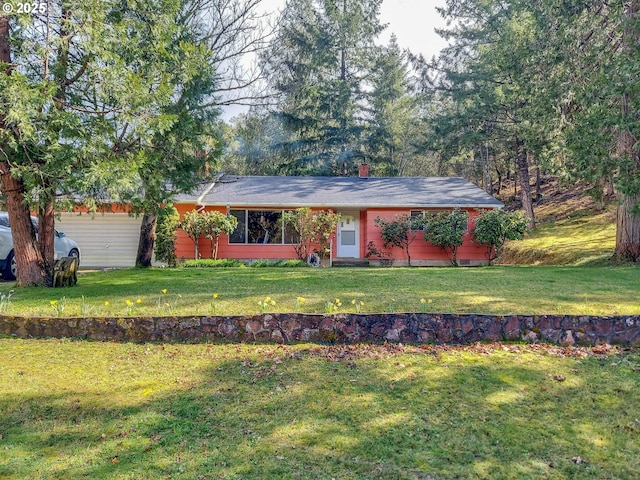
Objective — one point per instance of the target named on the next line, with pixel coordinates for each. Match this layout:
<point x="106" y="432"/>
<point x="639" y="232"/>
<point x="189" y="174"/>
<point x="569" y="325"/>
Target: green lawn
<point x="71" y="410"/>
<point x="499" y="290"/>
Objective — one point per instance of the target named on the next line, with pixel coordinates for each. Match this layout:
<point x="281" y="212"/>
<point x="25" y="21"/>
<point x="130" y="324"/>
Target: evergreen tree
<point x="168" y="151"/>
<point x="113" y="101"/>
<point x="395" y="131"/>
<point x="487" y="70"/>
<point x="319" y="66"/>
<point x="551" y="81"/>
<point x="601" y="108"/>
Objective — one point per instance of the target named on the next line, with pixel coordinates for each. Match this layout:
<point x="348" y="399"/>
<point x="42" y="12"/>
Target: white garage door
<point x="106" y="240"/>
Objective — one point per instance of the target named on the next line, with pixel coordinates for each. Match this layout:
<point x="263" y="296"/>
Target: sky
<point x="412" y="21"/>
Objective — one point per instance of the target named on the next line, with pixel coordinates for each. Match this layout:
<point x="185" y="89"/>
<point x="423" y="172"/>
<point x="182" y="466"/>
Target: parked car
<point x="63" y="247"/>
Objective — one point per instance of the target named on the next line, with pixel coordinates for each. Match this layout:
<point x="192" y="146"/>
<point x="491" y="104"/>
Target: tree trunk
<point x="534" y="162"/>
<point x="5" y="50"/>
<point x="609" y="188"/>
<point x="147" y="239"/>
<point x="31" y="269"/>
<point x="487" y="181"/>
<point x="46" y="236"/>
<point x="27" y="254"/>
<point x="499" y="174"/>
<point x="628" y="230"/>
<point x="628" y="223"/>
<point x="525" y="183"/>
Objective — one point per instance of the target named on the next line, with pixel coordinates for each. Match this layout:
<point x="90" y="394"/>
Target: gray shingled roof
<point x="341" y="192"/>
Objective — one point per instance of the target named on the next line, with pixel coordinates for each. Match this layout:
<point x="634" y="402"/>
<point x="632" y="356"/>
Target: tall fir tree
<point x="319" y="67"/>
<point x="395" y="131"/>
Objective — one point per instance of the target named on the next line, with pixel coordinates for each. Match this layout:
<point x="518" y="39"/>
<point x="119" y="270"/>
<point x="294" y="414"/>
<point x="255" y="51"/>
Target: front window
<point x="415" y="215"/>
<point x="262" y="226"/>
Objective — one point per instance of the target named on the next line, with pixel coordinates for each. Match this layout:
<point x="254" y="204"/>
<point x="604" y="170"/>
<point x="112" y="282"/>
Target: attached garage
<point x="105" y="239"/>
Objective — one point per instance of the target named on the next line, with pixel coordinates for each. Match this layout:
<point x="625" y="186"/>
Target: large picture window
<point x="262" y="226"/>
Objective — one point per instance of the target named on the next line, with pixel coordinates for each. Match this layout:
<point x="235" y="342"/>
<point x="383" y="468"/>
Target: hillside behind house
<point x="572" y="228"/>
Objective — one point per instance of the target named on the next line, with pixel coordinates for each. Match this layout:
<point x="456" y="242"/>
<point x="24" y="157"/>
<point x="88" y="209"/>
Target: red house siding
<point x="364" y="241"/>
<point x="422" y="253"/>
<point x="185" y="247"/>
<point x="419" y="249"/>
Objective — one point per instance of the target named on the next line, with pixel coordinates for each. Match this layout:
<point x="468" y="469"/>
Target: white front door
<point x="348" y="235"/>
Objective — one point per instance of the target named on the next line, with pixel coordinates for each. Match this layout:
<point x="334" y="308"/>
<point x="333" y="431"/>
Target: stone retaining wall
<point x="412" y="328"/>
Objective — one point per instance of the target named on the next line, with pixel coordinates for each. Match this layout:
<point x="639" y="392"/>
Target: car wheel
<point x="9" y="272"/>
<point x="75" y="253"/>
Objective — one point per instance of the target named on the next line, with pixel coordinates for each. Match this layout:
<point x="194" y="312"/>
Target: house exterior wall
<point x="422" y="253"/>
<point x="185" y="248"/>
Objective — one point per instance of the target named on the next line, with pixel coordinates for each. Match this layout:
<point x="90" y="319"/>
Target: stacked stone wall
<point x="410" y="328"/>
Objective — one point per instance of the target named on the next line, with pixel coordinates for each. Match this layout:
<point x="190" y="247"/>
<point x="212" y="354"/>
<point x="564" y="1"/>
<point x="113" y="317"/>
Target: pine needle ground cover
<point x="127" y="411"/>
<point x="244" y="291"/>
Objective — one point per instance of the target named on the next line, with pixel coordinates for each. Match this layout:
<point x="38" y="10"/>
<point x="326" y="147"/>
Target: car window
<point x="4" y="220"/>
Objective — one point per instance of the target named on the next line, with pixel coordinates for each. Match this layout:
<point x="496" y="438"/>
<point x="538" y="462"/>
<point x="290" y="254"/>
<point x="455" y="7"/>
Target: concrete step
<point x="350" y="262"/>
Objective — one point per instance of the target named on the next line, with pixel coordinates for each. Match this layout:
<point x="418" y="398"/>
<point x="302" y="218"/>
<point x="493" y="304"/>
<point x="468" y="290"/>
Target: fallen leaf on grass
<point x="601" y="349"/>
<point x="337" y="353"/>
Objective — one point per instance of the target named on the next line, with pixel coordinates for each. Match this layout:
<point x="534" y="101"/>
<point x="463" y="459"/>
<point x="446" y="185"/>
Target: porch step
<point x="350" y="262"/>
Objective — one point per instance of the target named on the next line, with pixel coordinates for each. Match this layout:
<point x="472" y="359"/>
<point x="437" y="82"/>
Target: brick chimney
<point x="363" y="170"/>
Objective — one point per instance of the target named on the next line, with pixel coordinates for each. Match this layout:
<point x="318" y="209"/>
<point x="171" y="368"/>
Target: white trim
<point x="200" y="201"/>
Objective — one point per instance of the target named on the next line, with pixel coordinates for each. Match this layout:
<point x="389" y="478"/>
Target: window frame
<point x="284" y="232"/>
<point x="420" y="213"/>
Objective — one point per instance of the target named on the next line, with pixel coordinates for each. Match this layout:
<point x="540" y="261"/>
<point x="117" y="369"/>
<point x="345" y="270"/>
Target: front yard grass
<point x="492" y="290"/>
<point x="71" y="410"/>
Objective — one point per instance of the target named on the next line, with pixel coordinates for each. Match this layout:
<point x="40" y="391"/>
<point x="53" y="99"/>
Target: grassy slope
<point x="571" y="229"/>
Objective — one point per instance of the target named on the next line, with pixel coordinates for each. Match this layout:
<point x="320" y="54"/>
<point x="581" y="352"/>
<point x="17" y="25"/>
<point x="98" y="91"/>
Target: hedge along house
<point x="258" y="202"/>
